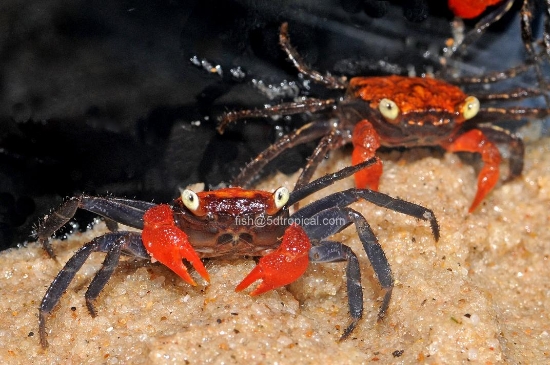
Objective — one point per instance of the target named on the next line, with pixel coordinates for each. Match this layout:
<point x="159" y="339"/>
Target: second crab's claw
<point x="282" y="266"/>
<point x="475" y="141"/>
<point x="168" y="244"/>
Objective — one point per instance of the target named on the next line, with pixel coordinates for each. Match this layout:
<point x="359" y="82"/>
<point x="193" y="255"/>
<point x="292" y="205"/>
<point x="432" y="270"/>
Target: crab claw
<point x="469" y="9"/>
<point x="475" y="141"/>
<point x="168" y="244"/>
<point x="365" y="143"/>
<point x="282" y="266"/>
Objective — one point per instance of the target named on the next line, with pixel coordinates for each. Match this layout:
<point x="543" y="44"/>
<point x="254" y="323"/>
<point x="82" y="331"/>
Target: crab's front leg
<point x="168" y="244"/>
<point x="366" y="141"/>
<point x="475" y="141"/>
<point x="282" y="266"/>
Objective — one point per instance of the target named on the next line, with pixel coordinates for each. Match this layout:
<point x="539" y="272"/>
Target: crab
<point x="471" y="9"/>
<point x="393" y="111"/>
<point x="221" y="224"/>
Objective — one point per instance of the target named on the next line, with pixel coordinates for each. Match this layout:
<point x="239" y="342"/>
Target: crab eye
<point x="470" y="107"/>
<point x="190" y="199"/>
<point x="389" y="109"/>
<point x="280" y="196"/>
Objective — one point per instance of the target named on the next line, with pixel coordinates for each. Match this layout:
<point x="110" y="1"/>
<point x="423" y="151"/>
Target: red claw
<point x="475" y="141"/>
<point x="365" y="143"/>
<point x="469" y="9"/>
<point x="168" y="244"/>
<point x="282" y="266"/>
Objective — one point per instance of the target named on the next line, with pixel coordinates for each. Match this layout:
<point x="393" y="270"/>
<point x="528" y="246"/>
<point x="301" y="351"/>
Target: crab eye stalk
<point x="389" y="109"/>
<point x="470" y="107"/>
<point x="190" y="199"/>
<point x="280" y="197"/>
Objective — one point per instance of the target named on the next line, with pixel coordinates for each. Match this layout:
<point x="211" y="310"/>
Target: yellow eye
<point x="280" y="197"/>
<point x="470" y="107"/>
<point x="190" y="199"/>
<point x="389" y="109"/>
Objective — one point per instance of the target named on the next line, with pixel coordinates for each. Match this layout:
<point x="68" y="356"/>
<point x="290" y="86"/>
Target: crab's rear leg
<point x="113" y="244"/>
<point x="475" y="141"/>
<point x="282" y="266"/>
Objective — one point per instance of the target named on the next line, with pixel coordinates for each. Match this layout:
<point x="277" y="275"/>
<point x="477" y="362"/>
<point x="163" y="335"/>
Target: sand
<point x="480" y="294"/>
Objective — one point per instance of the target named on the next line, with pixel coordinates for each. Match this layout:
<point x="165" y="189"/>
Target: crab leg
<point x="479" y="28"/>
<point x="526" y="17"/>
<point x="125" y="211"/>
<point x="331" y="141"/>
<point x="306" y="133"/>
<point x="327" y="180"/>
<point x="333" y="208"/>
<point x="343" y="217"/>
<point x="311" y="105"/>
<point x="475" y="141"/>
<point x="346" y="197"/>
<point x="329" y="251"/>
<point x="328" y="80"/>
<point x="282" y="266"/>
<point x="112" y="243"/>
<point x="168" y="244"/>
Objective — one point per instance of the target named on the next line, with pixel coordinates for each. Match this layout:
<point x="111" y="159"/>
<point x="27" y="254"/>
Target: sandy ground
<point x="480" y="294"/>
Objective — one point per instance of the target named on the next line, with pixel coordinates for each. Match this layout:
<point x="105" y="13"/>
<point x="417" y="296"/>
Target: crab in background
<point x="393" y="111"/>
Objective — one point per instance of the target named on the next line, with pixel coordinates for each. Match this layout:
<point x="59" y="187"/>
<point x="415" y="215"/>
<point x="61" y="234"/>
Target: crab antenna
<point x="327" y="180"/>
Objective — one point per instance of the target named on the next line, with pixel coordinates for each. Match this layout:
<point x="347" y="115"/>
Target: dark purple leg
<point x="125" y="211"/>
<point x="113" y="244"/>
<point x="346" y="197"/>
<point x="331" y="214"/>
<point x="307" y="133"/>
<point x="327" y="180"/>
<point x="341" y="217"/>
<point x="329" y="251"/>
